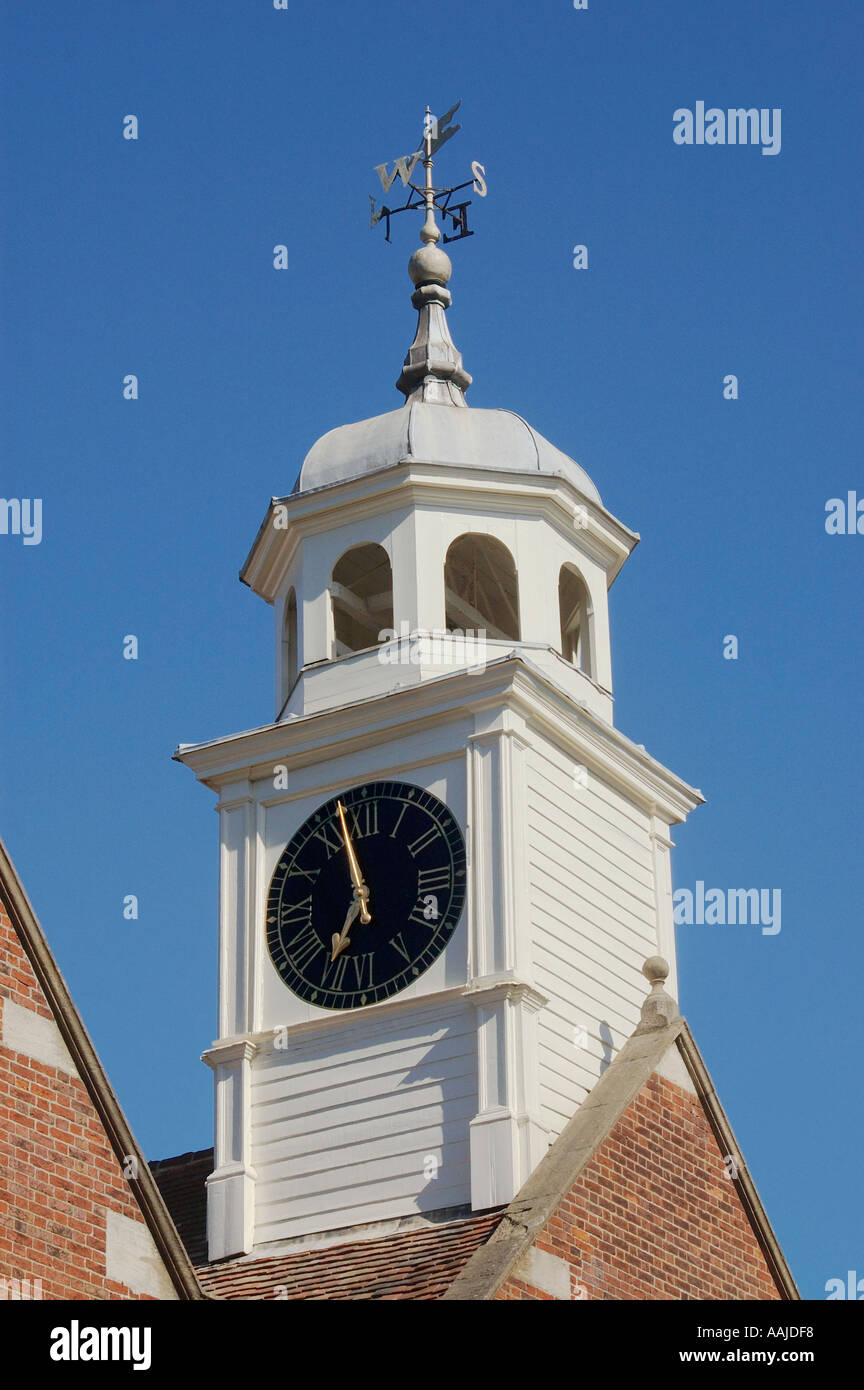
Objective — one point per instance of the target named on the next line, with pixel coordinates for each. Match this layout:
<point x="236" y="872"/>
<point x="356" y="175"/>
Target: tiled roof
<point x="419" y="1263"/>
<point x="181" y="1181"/>
<point x="416" y="1264"/>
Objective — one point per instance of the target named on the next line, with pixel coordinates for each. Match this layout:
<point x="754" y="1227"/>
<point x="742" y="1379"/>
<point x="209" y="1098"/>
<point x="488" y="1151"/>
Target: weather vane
<point x="435" y="133"/>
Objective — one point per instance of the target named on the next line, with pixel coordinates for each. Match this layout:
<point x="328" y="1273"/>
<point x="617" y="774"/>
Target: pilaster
<point x="507" y="1136"/>
<point x="231" y="1186"/>
<point x="661" y="844"/>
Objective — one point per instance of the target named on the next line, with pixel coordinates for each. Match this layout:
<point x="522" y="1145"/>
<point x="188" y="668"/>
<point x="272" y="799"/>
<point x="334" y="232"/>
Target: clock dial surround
<point x="411" y="855"/>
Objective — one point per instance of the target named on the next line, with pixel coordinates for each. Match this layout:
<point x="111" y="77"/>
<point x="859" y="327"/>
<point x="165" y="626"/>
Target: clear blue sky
<point x="154" y="257"/>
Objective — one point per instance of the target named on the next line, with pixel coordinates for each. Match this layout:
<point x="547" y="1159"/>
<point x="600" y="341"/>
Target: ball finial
<point x="430" y="266"/>
<point x="659" y="1008"/>
<point x="656" y="970"/>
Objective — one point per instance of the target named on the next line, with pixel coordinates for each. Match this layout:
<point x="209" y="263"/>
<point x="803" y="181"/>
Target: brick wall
<point x="58" y="1173"/>
<point x="654" y="1215"/>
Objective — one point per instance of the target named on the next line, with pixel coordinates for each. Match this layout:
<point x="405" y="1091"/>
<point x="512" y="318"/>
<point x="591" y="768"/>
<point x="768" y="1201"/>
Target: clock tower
<point x="441" y="865"/>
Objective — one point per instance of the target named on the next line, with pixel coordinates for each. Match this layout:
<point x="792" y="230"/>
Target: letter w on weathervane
<point x="404" y="166"/>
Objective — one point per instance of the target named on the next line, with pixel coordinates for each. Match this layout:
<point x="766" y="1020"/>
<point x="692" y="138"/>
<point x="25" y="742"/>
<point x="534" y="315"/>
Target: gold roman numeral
<point x="423" y="842"/>
<point x="433" y="880"/>
<point x="399" y="945"/>
<point x="365" y="820"/>
<point x="333" y="974"/>
<point x="361" y="969"/>
<point x="292" y="913"/>
<point x="329" y="836"/>
<point x="296" y="872"/>
<point x="426" y="912"/>
<point x="304" y="949"/>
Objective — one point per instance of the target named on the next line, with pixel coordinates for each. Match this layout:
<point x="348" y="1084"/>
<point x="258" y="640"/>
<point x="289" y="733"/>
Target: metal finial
<point x="429" y="232"/>
<point x="432" y="371"/>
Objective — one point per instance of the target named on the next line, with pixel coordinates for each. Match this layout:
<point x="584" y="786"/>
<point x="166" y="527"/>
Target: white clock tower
<point x="439" y="580"/>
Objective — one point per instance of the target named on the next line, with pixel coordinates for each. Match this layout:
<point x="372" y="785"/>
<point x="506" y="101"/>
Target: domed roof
<point x="432" y="433"/>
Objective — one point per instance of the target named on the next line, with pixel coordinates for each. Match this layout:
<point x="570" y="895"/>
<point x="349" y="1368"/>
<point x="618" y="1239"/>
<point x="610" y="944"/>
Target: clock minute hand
<point x="356" y="876"/>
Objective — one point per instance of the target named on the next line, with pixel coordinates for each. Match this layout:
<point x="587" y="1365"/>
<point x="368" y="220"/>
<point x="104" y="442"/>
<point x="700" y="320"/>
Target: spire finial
<point x="432" y="370"/>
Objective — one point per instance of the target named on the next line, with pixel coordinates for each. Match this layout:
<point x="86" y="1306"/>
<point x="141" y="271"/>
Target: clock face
<point x="394" y="854"/>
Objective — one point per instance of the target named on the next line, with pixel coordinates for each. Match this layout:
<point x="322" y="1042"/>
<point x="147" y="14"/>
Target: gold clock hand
<point x="356" y="876"/>
<point x="339" y="942"/>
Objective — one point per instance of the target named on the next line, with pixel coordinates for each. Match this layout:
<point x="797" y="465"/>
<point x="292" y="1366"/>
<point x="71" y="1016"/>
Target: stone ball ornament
<point x="430" y="266"/>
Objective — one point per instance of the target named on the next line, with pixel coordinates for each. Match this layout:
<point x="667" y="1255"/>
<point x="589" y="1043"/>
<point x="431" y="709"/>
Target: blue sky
<point x="154" y="257"/>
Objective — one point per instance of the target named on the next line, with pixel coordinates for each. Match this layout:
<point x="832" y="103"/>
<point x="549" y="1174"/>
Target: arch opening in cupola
<point x="290" y="660"/>
<point x="481" y="587"/>
<point x="361" y="592"/>
<point x="574" y="606"/>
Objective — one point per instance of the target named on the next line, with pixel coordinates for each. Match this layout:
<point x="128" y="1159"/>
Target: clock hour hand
<point x="340" y="941"/>
<point x="361" y="892"/>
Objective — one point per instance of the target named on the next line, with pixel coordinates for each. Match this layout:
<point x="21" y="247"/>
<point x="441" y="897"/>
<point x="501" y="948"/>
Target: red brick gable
<point x="58" y="1174"/>
<point x="654" y="1214"/>
<point x="76" y="1196"/>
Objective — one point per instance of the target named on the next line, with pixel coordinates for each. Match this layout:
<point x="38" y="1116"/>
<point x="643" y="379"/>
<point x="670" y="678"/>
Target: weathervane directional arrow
<point x="435" y="134"/>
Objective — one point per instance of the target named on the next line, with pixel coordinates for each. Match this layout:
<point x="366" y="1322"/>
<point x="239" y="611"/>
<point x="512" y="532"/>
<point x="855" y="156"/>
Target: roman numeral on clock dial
<point x="362" y="966"/>
<point x="329" y="835"/>
<point x="364" y="820"/>
<point x="292" y="914"/>
<point x="349" y="972"/>
<point x="423" y="841"/>
<point x="433" y="880"/>
<point x="304" y="949"/>
<point x="296" y="872"/>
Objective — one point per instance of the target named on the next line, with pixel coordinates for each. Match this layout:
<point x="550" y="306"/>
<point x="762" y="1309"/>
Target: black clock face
<point x="394" y="854"/>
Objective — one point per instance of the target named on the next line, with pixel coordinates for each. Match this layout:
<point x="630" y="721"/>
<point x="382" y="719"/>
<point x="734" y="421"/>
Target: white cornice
<point x="233" y="1050"/>
<point x="365" y="724"/>
<point x="492" y="989"/>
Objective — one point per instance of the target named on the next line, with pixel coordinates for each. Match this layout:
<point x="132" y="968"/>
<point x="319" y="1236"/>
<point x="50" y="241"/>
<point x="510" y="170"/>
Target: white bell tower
<point x="439" y="580"/>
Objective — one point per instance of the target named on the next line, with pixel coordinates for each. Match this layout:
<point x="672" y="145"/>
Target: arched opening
<point x="481" y="589"/>
<point x="361" y="591"/>
<point x="574" y="606"/>
<point x="289" y="645"/>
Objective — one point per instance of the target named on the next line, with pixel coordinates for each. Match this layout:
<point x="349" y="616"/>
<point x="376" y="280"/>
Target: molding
<point x="262" y="1044"/>
<point x="493" y="989"/>
<point x="223" y="1054"/>
<point x="92" y="1074"/>
<point x="364" y="724"/>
